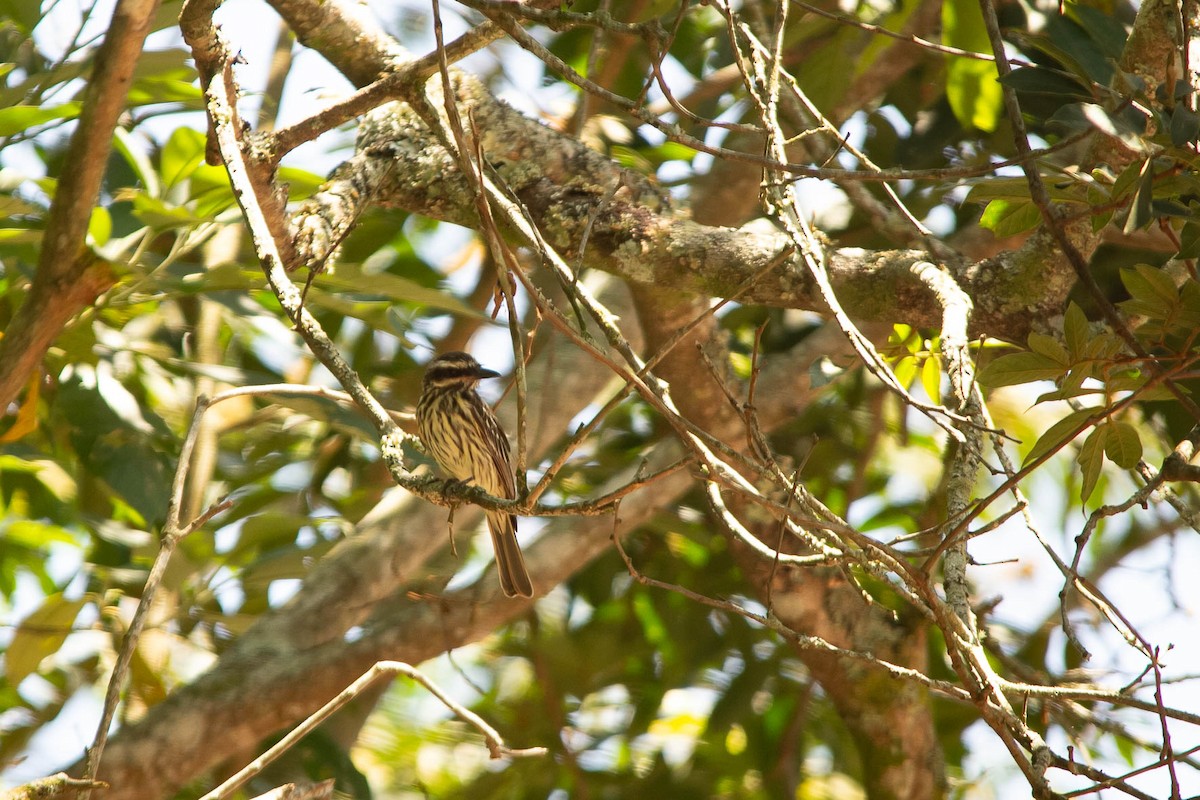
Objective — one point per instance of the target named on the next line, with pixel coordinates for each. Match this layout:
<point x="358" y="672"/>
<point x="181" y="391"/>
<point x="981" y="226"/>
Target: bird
<point x="465" y="439"/>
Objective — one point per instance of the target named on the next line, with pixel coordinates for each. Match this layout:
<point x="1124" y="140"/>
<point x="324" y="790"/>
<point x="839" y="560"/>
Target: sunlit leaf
<point x="971" y="85"/>
<point x="1114" y="125"/>
<point x="100" y="226"/>
<point x="931" y="378"/>
<point x="19" y="236"/>
<point x="17" y="119"/>
<point x="181" y="155"/>
<point x="130" y="148"/>
<point x="1008" y="218"/>
<point x="1091" y="460"/>
<point x="1140" y="212"/>
<point x="1060" y="433"/>
<point x="40" y="634"/>
<point x="906" y="370"/>
<point x="349" y="278"/>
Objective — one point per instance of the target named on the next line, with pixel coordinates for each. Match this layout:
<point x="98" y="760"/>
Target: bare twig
<point x="495" y="744"/>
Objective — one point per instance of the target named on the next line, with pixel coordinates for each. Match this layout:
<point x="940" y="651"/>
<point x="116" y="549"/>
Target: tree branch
<point x="69" y="278"/>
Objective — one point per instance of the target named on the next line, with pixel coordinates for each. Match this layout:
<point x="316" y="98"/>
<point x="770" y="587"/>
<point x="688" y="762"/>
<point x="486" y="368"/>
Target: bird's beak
<point x="487" y="373"/>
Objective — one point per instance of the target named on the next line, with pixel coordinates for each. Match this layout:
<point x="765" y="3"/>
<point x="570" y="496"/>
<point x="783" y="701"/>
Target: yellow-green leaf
<point x="1060" y="433"/>
<point x="1152" y="288"/>
<point x="100" y="226"/>
<point x="20" y="118"/>
<point x="1123" y="445"/>
<point x="906" y="370"/>
<point x="1051" y="348"/>
<point x="972" y="87"/>
<point x="1010" y="217"/>
<point x="1091" y="459"/>
<point x="39" y="635"/>
<point x="1018" y="368"/>
<point x="931" y="378"/>
<point x="181" y="155"/>
<point x="1075" y="331"/>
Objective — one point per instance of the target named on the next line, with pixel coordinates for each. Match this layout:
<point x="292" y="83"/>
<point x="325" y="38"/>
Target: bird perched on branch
<point x="463" y="436"/>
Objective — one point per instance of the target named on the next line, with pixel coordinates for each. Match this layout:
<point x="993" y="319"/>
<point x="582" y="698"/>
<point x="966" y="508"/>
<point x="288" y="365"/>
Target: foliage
<point x="627" y="684"/>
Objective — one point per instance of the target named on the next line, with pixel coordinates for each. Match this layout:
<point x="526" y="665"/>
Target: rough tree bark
<point x="296" y="657"/>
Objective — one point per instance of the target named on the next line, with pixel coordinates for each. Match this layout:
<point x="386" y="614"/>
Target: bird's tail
<point x="510" y="564"/>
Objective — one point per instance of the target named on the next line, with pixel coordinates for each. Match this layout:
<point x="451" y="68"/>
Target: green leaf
<point x="1038" y="80"/>
<point x="1127" y="748"/>
<point x="1050" y="348"/>
<point x="1075" y="331"/>
<point x="972" y="89"/>
<point x="1072" y="48"/>
<point x="11" y="206"/>
<point x="181" y="155"/>
<point x="35" y="534"/>
<point x="906" y="337"/>
<point x="1060" y="433"/>
<point x="161" y="216"/>
<point x="1189" y="295"/>
<point x="671" y="151"/>
<point x="17" y="119"/>
<point x="19" y="236"/>
<point x="1107" y="33"/>
<point x="1127" y="381"/>
<point x="906" y="370"/>
<point x="1189" y="241"/>
<point x="1091" y="460"/>
<point x="1098" y="197"/>
<point x="1001" y="188"/>
<point x="39" y="635"/>
<point x="1073" y="380"/>
<point x="1065" y="393"/>
<point x="1126" y="180"/>
<point x="165" y="76"/>
<point x="931" y="378"/>
<point x="631" y="159"/>
<point x="221" y="278"/>
<point x="1008" y="218"/>
<point x="1152" y="290"/>
<point x="1017" y="190"/>
<point x="372" y="312"/>
<point x="1116" y="126"/>
<point x="131" y="150"/>
<point x="22" y="13"/>
<point x="153" y="89"/>
<point x="1102" y="346"/>
<point x="351" y="278"/>
<point x="100" y="226"/>
<point x="1141" y="213"/>
<point x="1185" y="125"/>
<point x="1123" y="445"/>
<point x="1018" y="368"/>
<point x="210" y="190"/>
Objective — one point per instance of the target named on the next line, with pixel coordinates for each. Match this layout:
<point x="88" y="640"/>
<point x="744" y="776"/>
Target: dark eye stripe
<point x="451" y="372"/>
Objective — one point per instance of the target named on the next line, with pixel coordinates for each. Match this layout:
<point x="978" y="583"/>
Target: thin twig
<point x="495" y="744"/>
